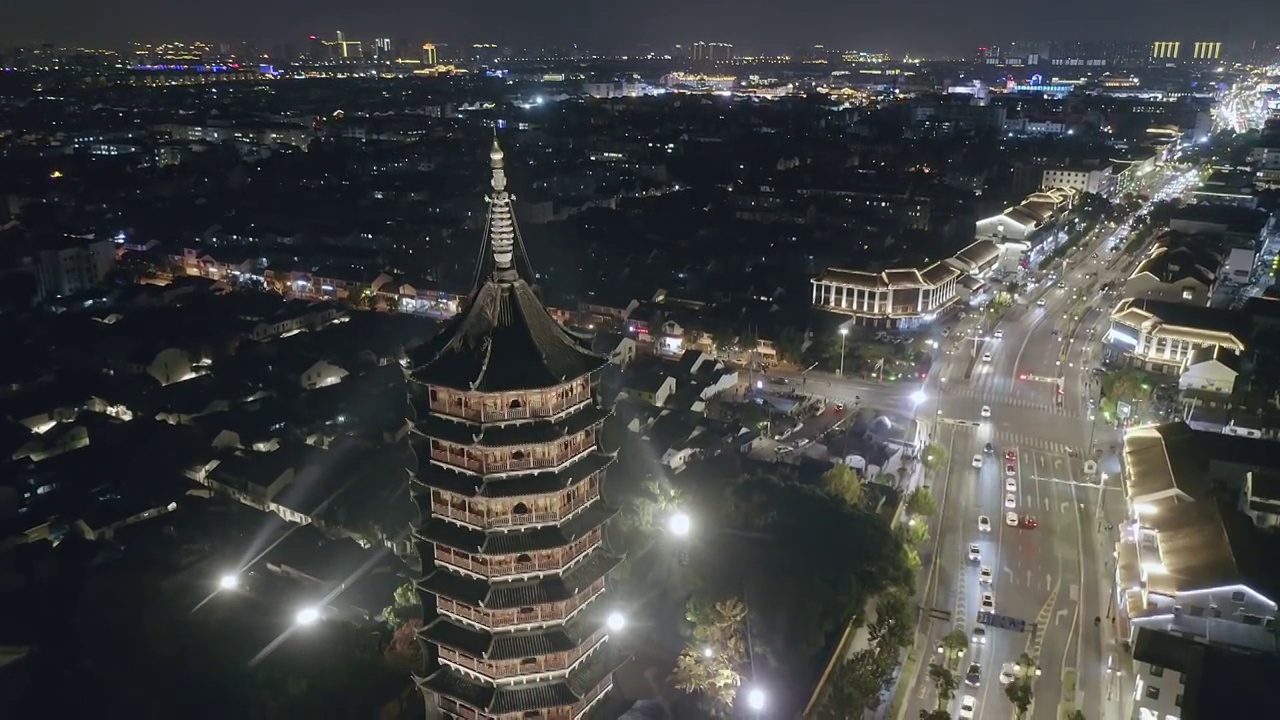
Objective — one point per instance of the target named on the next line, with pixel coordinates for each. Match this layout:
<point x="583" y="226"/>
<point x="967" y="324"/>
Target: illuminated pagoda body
<point x="511" y="539"/>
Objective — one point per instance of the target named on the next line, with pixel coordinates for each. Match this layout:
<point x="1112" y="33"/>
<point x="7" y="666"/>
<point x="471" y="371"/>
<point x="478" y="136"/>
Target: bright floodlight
<point x="679" y="524"/>
<point x="307" y="616"/>
<point x="844" y="331"/>
<point x="917" y="397"/>
<point x="707" y="652"/>
<point x="230" y="581"/>
<point x="755" y="699"/>
<point x="616" y="622"/>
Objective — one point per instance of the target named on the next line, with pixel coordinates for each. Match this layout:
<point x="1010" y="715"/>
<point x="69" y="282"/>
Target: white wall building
<point x="1090" y="180"/>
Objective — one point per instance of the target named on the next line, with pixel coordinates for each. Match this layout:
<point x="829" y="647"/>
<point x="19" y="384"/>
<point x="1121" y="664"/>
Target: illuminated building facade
<point x="1165" y="50"/>
<point x="713" y="52"/>
<point x="430" y="57"/>
<point x="511" y="545"/>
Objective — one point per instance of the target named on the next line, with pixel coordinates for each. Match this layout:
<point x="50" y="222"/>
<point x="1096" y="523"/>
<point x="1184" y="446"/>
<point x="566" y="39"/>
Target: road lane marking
<point x="1074" y="592"/>
<point x="1006" y="569"/>
<point x="1057" y="617"/>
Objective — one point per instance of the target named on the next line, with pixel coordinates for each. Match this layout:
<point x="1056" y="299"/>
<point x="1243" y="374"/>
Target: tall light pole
<point x="844" y="333"/>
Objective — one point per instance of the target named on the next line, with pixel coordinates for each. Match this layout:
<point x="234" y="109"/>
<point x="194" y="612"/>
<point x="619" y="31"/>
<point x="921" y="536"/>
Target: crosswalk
<point x="996" y="400"/>
<point x="1005" y="439"/>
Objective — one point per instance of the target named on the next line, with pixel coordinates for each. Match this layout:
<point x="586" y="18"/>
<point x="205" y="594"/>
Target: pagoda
<point x="514" y="563"/>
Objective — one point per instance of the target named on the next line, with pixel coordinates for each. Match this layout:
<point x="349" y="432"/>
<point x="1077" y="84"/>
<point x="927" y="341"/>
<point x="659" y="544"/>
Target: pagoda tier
<point x="518" y="604"/>
<point x="462" y="697"/>
<point x="435" y="477"/>
<point x="509" y="440"/>
<point x="547" y="652"/>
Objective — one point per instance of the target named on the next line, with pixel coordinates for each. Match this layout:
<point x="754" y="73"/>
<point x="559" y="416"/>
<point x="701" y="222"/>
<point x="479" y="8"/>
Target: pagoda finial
<point x="502" y="232"/>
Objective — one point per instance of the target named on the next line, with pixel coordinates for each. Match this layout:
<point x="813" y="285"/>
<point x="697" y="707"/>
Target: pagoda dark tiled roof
<point x="504" y="340"/>
<point x="525" y="698"/>
<point x="517" y="433"/>
<point x="506" y="595"/>
<point x="463" y="483"/>
<point x="509" y="542"/>
<point x="511" y="645"/>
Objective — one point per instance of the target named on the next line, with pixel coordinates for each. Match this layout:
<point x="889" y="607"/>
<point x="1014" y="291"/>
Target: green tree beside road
<point x="843" y="482"/>
<point x="921" y="502"/>
<point x="934" y="457"/>
<point x="945" y="682"/>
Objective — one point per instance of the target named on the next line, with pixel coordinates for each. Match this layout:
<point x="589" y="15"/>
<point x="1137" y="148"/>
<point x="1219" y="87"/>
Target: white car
<point x="984" y="523"/>
<point x="1006" y="673"/>
<point x="999" y="335"/>
<point x="978" y="636"/>
<point x="1011" y="519"/>
<point x="986" y="411"/>
<point x="1011" y="484"/>
<point x="988" y="602"/>
<point x="986" y="357"/>
<point x="985" y="575"/>
<point x="1011" y="501"/>
<point x="977" y="461"/>
<point x="974" y="553"/>
<point x="968" y="704"/>
<point x="1040" y="302"/>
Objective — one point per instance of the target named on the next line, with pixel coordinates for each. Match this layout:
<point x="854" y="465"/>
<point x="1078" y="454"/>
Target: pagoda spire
<point x="501" y="230"/>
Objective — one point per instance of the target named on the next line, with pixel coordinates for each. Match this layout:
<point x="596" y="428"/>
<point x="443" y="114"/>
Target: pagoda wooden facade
<point x="510" y="462"/>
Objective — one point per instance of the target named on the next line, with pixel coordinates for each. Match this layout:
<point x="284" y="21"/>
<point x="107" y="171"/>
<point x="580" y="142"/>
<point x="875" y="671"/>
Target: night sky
<point x="767" y="26"/>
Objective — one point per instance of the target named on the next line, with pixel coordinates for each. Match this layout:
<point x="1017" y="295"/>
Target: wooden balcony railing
<point x="514" y="617"/>
<point x="497" y="518"/>
<point x="504" y="669"/>
<point x="510" y="465"/>
<point x="501" y="411"/>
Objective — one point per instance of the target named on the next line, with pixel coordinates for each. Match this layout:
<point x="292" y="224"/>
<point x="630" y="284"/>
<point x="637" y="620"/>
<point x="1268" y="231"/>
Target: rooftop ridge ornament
<point x="502" y="232"/>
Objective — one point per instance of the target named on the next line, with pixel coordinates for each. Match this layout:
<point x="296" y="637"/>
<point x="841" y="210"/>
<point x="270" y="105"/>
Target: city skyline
<point x="948" y="29"/>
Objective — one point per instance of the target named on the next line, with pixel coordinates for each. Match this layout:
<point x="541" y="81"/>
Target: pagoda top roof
<point x="504" y="339"/>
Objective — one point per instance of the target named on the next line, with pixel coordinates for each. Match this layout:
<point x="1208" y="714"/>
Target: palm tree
<point x="711" y="665"/>
<point x="954" y="643"/>
<point x="945" y="682"/>
<point x="1019" y="693"/>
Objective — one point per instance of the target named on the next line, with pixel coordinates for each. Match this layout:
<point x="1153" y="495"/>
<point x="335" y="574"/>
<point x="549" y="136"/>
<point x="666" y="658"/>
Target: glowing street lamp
<point x="679" y="524"/>
<point x="229" y="581"/>
<point x="708" y="653"/>
<point x="756" y="699"/>
<point x="307" y="616"/>
<point x="844" y="333"/>
<point x="918" y="397"/>
<point x="616" y="622"/>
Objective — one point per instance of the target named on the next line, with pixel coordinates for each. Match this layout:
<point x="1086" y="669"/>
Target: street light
<point x="708" y="653"/>
<point x="844" y="333"/>
<point x="307" y="616"/>
<point x="918" y="397"/>
<point x="229" y="581"/>
<point x="616" y="622"/>
<point x="756" y="699"/>
<point x="679" y="524"/>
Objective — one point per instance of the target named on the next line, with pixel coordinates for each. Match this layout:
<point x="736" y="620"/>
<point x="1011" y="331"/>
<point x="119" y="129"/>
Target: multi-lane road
<point x="1057" y="576"/>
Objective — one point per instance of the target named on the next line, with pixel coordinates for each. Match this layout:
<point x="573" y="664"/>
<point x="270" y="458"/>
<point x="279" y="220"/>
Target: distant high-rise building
<point x="714" y="52"/>
<point x="382" y="48"/>
<point x="1165" y="50"/>
<point x="317" y="50"/>
<point x="1206" y="51"/>
<point x="429" y="56"/>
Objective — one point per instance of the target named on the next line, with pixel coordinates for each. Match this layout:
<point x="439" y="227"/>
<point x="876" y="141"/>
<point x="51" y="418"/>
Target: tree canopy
<point x="836" y="556"/>
<point x="921" y="502"/>
<point x="843" y="482"/>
